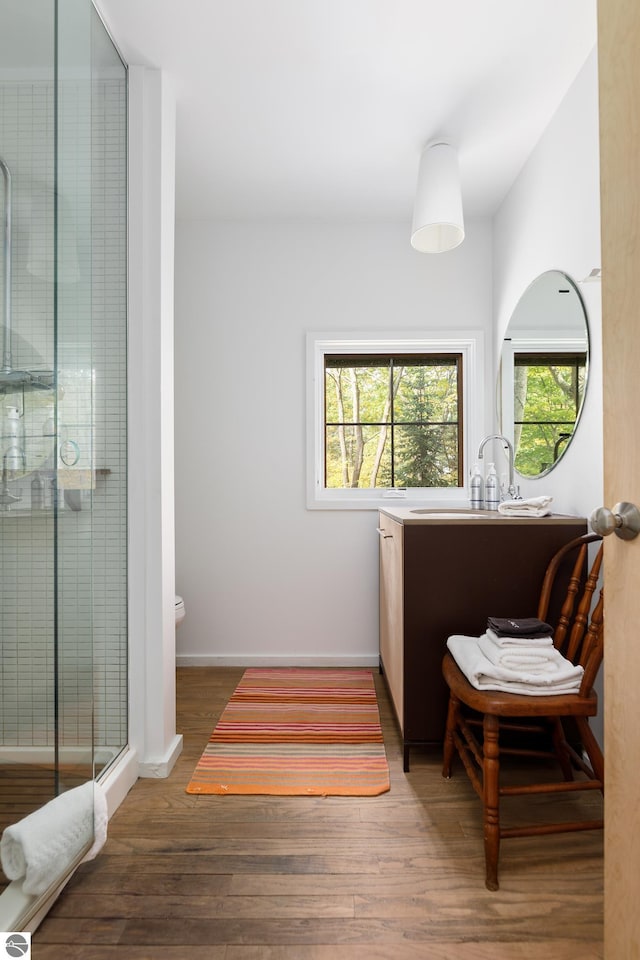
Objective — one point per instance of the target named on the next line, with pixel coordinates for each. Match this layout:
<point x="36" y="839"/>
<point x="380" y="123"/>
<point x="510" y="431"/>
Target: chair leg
<point x="561" y="749"/>
<point x="491" y="799"/>
<point x="449" y="745"/>
<point x="592" y="747"/>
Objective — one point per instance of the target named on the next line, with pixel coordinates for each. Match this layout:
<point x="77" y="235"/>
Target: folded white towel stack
<point x="42" y="846"/>
<point x="517" y="643"/>
<point x="519" y="656"/>
<point x="559" y="675"/>
<point x="534" y="507"/>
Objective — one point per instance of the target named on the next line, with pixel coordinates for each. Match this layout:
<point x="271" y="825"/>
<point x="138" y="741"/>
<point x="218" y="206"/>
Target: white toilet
<point x="179" y="611"/>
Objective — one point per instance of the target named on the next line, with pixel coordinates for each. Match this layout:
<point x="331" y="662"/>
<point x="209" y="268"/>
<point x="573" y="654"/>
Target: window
<point x="392" y="421"/>
<point x="390" y="418"/>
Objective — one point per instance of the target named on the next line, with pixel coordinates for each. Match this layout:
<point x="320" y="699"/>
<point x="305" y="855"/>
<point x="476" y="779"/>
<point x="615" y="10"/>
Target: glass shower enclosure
<point x="63" y="402"/>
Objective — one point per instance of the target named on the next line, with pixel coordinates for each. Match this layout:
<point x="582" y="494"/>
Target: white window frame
<point x="470" y="344"/>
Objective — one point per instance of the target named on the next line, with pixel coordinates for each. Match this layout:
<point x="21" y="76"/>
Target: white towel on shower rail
<point x="42" y="846"/>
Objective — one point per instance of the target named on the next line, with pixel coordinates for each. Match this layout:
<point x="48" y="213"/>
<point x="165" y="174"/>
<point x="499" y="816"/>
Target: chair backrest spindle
<point x="578" y="633"/>
<point x="593" y="647"/>
<point x="564" y="620"/>
<point x="582" y="616"/>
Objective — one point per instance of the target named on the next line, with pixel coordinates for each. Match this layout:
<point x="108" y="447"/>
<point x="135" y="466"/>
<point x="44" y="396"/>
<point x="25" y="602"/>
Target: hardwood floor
<point x="395" y="877"/>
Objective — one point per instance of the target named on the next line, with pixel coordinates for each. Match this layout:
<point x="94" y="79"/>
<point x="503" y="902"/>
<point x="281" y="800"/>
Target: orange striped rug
<point x="297" y="732"/>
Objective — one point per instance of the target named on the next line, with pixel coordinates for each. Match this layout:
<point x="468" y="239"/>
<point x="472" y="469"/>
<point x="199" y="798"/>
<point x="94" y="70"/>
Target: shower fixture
<point x="7" y="499"/>
<point x="12" y="380"/>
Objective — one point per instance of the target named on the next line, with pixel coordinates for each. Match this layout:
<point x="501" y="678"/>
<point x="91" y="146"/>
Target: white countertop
<point x="456" y="515"/>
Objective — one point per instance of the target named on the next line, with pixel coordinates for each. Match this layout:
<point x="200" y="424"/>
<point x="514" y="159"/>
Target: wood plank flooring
<point x="395" y="877"/>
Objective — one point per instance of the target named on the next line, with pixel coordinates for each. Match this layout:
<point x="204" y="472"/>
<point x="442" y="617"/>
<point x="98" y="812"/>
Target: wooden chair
<point x="476" y="717"/>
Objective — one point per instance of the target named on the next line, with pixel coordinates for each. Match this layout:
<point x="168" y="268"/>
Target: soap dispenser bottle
<point x="476" y="498"/>
<point x="492" y="488"/>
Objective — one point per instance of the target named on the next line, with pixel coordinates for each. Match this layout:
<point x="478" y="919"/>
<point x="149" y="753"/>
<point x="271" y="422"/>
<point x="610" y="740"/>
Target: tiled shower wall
<point x="86" y="591"/>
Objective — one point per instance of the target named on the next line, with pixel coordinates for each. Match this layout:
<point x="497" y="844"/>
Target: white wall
<point x="265" y="579"/>
<point x="152" y="732"/>
<point x="551" y="221"/>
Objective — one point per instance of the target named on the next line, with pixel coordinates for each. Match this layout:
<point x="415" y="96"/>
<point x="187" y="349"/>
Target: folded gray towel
<point x="523" y="627"/>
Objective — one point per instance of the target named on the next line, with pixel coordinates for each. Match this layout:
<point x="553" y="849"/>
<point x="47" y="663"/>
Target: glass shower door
<point x="63" y="403"/>
<point x="28" y="775"/>
<point x="71" y="453"/>
<point x="91" y="436"/>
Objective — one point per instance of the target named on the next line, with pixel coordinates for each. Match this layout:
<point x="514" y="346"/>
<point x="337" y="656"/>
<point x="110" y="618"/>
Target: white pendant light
<point x="438" y="224"/>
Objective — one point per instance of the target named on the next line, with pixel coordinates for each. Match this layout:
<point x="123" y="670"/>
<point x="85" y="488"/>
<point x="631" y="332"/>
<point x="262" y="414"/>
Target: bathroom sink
<point x="460" y="515"/>
<point x="455" y="513"/>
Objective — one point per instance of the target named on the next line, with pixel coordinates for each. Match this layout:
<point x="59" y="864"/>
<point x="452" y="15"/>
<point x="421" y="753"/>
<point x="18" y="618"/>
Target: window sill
<point x="457" y="498"/>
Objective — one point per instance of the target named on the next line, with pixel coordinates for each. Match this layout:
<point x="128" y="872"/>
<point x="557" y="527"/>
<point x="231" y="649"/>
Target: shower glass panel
<point x="63" y="441"/>
<point x="74" y="406"/>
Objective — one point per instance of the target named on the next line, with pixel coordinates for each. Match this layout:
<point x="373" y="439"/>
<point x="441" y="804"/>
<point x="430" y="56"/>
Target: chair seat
<point x="515" y="704"/>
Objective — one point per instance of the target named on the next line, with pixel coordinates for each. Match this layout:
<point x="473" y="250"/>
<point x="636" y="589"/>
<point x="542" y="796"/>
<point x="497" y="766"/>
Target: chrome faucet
<point x="514" y="489"/>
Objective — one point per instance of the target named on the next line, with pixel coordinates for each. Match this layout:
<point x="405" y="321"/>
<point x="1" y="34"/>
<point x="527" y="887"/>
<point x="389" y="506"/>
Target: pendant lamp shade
<point x="438" y="224"/>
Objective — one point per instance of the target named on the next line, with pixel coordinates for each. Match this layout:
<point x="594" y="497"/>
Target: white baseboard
<point x="213" y="660"/>
<point x="162" y="767"/>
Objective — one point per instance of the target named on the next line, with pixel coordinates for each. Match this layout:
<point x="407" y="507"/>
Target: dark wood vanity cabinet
<point x="445" y="576"/>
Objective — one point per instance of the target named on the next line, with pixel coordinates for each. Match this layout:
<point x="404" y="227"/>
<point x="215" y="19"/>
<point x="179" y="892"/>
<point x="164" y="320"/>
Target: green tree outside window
<point x="393" y="421"/>
<point x="548" y="395"/>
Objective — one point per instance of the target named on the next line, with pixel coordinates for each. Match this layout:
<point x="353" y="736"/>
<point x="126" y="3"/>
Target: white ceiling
<point x="320" y="108"/>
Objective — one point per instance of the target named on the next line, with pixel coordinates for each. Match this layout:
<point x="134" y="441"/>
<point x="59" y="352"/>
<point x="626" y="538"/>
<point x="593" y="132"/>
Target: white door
<point x="619" y="69"/>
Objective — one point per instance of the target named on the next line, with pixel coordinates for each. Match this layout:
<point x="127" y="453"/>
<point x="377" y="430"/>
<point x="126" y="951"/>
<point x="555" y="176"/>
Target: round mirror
<point x="544" y="367"/>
